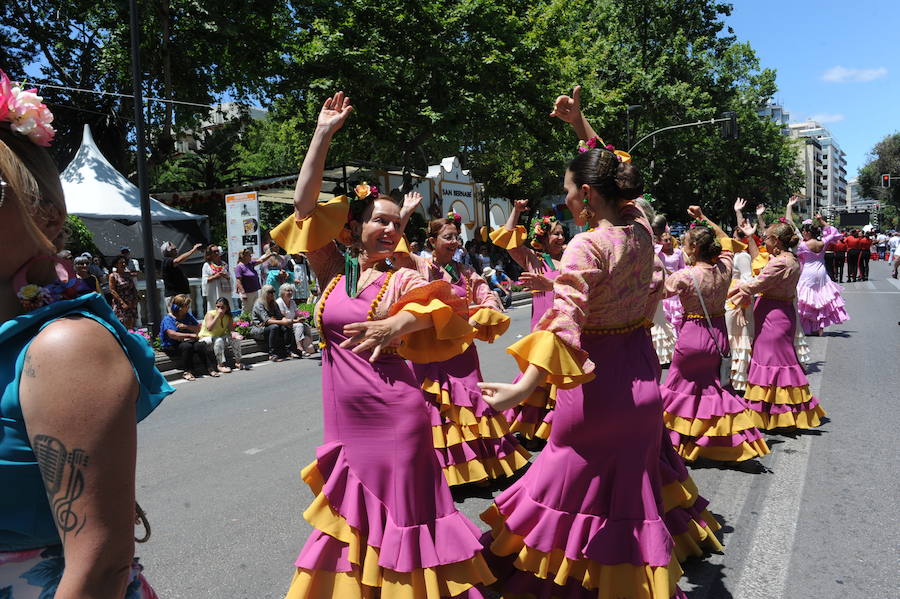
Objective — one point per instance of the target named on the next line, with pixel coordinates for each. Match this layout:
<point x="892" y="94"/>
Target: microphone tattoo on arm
<point x="63" y="473"/>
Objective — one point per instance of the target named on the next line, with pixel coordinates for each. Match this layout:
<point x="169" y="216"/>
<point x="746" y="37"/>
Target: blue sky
<point x="837" y="62"/>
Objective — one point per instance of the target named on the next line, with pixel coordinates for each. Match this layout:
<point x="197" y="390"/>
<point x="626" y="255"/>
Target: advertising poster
<point x="242" y="218"/>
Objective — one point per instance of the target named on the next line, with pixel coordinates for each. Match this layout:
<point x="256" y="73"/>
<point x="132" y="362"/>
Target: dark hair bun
<point x="708" y="247"/>
<point x="793" y="241"/>
<point x="629" y="181"/>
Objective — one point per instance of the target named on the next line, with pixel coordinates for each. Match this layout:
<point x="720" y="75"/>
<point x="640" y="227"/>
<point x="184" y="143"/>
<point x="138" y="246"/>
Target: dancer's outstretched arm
<point x="331" y="118"/>
<point x="568" y="109"/>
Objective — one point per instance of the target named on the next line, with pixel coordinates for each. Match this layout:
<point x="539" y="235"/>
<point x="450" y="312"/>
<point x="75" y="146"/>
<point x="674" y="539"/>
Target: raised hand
<point x="568" y="108"/>
<point x="748" y="229"/>
<point x="792" y="201"/>
<point x="521" y="205"/>
<point x="739" y="204"/>
<point x="334" y="112"/>
<point x="695" y="212"/>
<point x="411" y="201"/>
<point x="760" y="209"/>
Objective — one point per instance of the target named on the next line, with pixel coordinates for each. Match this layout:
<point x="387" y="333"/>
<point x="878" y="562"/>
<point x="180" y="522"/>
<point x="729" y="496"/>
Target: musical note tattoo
<point x="64" y="480"/>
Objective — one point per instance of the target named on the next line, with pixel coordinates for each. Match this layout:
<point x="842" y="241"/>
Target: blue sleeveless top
<point x="26" y="521"/>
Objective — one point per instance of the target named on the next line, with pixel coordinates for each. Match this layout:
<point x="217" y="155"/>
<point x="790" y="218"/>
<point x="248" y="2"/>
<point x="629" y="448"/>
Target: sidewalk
<point x="253" y="352"/>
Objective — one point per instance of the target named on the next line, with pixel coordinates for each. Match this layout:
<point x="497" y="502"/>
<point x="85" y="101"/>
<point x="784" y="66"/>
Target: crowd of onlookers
<point x="272" y="290"/>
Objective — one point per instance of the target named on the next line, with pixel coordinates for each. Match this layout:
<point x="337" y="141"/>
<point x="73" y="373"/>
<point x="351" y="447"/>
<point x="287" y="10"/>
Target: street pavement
<point x="219" y="464"/>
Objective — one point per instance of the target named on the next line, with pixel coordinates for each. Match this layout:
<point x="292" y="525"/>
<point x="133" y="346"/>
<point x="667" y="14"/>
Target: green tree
<point x="883" y="159"/>
<point x="79" y="238"/>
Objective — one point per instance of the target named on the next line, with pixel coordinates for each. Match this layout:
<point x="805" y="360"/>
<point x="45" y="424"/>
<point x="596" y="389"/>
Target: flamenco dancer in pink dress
<point x="673" y="259"/>
<point x="704" y="419"/>
<point x="777" y="388"/>
<point x="819" y="300"/>
<point x="472" y="441"/>
<point x="533" y="418"/>
<point x="383" y="517"/>
<point x="584" y="521"/>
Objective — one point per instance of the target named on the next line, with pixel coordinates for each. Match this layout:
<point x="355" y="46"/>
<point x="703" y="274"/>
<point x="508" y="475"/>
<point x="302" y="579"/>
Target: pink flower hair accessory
<point x="25" y="112"/>
<point x="455" y="217"/>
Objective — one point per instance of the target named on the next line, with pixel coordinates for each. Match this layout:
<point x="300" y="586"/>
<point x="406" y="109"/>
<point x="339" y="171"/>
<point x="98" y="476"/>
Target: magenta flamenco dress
<point x="777" y="388"/>
<point x="819" y="300"/>
<point x="383" y="514"/>
<point x="384" y="521"/>
<point x="706" y="420"/>
<point x="533" y="418"/>
<point x="472" y="441"/>
<point x="585" y="520"/>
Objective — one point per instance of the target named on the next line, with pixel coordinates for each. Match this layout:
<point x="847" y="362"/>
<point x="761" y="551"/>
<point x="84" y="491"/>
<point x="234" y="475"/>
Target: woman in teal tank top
<point x="73" y="384"/>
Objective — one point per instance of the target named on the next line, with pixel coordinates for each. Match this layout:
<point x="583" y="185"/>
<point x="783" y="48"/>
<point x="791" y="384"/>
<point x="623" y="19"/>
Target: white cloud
<point x="841" y="74"/>
<point x="827" y="118"/>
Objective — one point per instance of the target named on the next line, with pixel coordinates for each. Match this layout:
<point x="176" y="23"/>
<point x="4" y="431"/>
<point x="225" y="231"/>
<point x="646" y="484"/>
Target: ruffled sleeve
<point x="490" y="324"/>
<point x="451" y="333"/>
<point x="509" y="240"/>
<point x="555" y="346"/>
<point x="314" y="231"/>
<point x="314" y="235"/>
<point x="566" y="366"/>
<point x="760" y="262"/>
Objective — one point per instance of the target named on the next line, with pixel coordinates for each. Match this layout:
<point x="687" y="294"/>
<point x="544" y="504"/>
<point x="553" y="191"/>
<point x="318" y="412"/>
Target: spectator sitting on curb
<point x="499" y="284"/>
<point x="175" y="282"/>
<point x="302" y="332"/>
<point x="178" y="337"/>
<point x="270" y="326"/>
<point x="217" y="331"/>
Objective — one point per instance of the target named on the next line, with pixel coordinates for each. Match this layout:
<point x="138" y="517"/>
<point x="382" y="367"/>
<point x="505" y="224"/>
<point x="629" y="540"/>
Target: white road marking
<point x="894" y="282"/>
<point x="253" y="451"/>
<point x="768" y="561"/>
<point x="869" y="285"/>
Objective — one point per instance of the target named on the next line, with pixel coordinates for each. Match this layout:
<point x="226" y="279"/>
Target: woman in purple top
<point x="247" y="279"/>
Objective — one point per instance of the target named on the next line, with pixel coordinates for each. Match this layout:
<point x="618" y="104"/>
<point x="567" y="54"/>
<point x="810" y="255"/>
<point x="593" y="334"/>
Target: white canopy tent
<point x="110" y="206"/>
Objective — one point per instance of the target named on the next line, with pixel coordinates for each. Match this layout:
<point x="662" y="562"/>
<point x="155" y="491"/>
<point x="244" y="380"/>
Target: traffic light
<point x="729" y="125"/>
<point x="885" y="180"/>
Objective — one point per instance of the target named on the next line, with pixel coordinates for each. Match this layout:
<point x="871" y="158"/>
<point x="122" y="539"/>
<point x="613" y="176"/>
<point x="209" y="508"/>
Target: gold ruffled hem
<point x="739" y="453"/>
<point x="424" y="583"/>
<point x="509" y="240"/>
<point x="804" y="419"/>
<point x="720" y="426"/>
<point x="314" y="232"/>
<point x="679" y="494"/>
<point x="450" y="434"/>
<point x="778" y="395"/>
<point x="450" y="336"/>
<point x="461" y="415"/>
<point x="531" y="430"/>
<point x="490" y="324"/>
<point x="478" y="470"/>
<point x="563" y="364"/>
<point x="696" y="541"/>
<point x="622" y="581"/>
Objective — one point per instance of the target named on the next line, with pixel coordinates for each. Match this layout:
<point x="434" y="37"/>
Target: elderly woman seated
<point x="271" y="326"/>
<point x="303" y="345"/>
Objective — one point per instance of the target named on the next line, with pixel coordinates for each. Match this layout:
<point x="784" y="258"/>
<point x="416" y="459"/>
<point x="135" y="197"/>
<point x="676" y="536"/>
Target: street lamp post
<point x="628" y="122"/>
<point x="146" y="221"/>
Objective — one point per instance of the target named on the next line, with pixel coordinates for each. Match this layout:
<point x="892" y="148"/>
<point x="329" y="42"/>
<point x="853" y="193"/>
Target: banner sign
<point x="242" y="221"/>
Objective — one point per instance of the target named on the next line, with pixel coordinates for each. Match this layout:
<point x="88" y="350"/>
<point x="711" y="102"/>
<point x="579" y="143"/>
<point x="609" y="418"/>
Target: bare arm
<point x="749" y="230"/>
<point x="85" y="444"/>
<point x="789" y="210"/>
<point x="334" y="113"/>
<point x="503" y="396"/>
<point x="187" y="254"/>
<point x="739" y="205"/>
<point x="375" y="335"/>
<point x="760" y="220"/>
